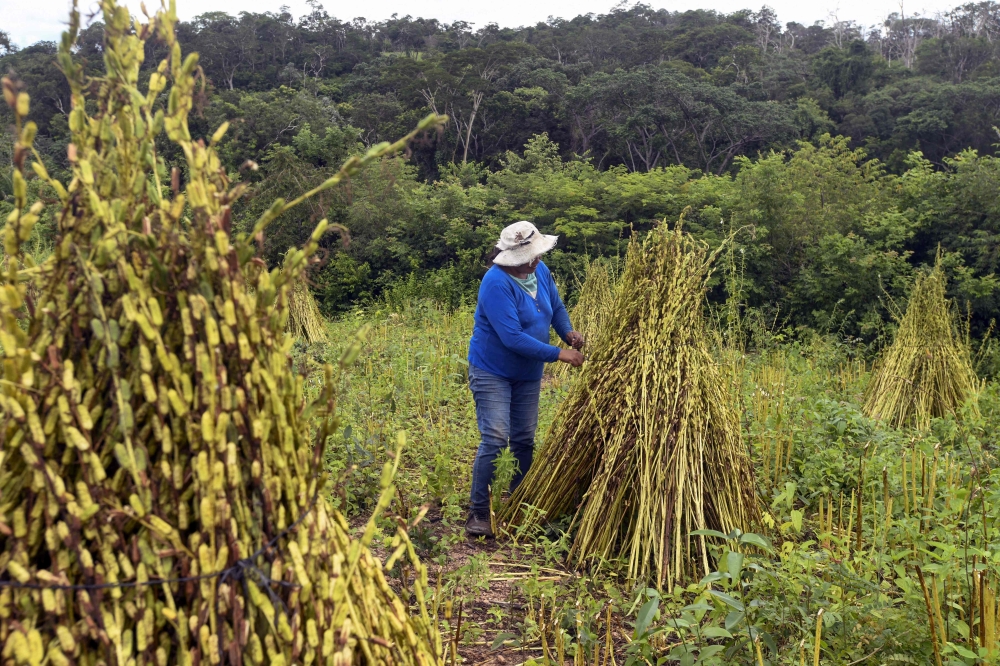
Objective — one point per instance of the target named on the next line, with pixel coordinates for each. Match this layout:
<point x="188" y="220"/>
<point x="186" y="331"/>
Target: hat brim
<point x="523" y="254"/>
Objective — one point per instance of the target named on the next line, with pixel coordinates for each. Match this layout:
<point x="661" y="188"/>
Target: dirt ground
<point x="501" y="593"/>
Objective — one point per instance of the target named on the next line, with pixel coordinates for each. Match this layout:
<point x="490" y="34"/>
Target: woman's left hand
<point x="575" y="340"/>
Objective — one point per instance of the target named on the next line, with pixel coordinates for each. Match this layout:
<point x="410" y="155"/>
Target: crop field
<point x="876" y="534"/>
<point x="225" y="440"/>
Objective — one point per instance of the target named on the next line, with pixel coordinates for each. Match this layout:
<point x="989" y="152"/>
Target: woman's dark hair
<point x="491" y="255"/>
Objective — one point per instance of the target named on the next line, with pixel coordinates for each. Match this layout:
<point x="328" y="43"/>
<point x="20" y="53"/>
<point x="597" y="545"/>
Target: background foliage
<point x="846" y="155"/>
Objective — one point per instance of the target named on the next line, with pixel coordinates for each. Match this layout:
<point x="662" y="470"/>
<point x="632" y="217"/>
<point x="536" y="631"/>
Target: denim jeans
<point x="507" y="414"/>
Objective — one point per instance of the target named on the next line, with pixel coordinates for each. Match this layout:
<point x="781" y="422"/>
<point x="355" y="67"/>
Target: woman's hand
<point x="575" y="340"/>
<point x="571" y="356"/>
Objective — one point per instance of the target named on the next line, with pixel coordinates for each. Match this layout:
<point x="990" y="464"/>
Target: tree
<point x="845" y="71"/>
<point x="226" y="44"/>
<point x="953" y="57"/>
<point x="656" y="115"/>
<point x="6" y="46"/>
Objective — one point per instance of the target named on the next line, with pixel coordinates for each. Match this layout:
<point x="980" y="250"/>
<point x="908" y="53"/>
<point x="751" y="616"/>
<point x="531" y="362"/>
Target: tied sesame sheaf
<point x="162" y="491"/>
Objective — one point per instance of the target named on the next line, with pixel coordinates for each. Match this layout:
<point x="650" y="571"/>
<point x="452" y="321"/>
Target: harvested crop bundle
<point x="593" y="308"/>
<point x="304" y="318"/>
<point x="590" y="314"/>
<point x="927" y="371"/>
<point x="161" y="480"/>
<point x="648" y="437"/>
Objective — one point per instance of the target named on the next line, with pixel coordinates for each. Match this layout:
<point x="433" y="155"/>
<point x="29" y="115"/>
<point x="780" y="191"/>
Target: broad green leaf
<point x="755" y="540"/>
<point x="965" y="652"/>
<point x="503" y="638"/>
<point x="715" y="632"/>
<point x="714" y="533"/>
<point x="790" y="488"/>
<point x="709" y="652"/>
<point x="734" y="564"/>
<point x="645" y="616"/>
<point x="736" y="647"/>
<point x="734" y="618"/>
<point x="769" y="642"/>
<point x="728" y="600"/>
<point x="797" y="520"/>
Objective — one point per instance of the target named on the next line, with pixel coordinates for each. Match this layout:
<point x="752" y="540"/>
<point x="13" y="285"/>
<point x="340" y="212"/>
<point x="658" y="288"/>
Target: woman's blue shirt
<point x="510" y="337"/>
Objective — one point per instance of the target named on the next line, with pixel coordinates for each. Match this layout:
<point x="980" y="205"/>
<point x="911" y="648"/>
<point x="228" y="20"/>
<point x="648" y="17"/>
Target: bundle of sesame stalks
<point x="304" y="318"/>
<point x="927" y="371"/>
<point x="161" y="488"/>
<point x="591" y="311"/>
<point x="646" y="448"/>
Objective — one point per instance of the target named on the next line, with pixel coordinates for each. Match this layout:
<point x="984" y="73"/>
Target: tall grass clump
<point x="161" y="488"/>
<point x="927" y="370"/>
<point x="646" y="447"/>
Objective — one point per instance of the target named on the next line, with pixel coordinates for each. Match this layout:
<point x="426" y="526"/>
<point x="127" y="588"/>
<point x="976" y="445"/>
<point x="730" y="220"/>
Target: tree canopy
<point x="849" y="153"/>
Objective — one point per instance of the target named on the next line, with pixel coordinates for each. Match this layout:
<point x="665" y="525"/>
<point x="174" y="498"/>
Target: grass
<point x="862" y="518"/>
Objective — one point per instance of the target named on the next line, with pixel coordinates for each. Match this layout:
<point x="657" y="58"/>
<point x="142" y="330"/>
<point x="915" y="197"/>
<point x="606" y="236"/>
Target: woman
<point x="518" y="302"/>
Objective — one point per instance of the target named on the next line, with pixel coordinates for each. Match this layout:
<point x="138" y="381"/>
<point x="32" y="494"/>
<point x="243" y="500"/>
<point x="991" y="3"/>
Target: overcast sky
<point x="28" y="21"/>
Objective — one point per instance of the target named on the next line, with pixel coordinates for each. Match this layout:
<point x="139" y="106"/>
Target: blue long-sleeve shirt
<point x="510" y="336"/>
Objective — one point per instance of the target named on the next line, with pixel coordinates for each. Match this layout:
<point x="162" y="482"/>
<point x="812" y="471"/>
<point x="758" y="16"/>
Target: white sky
<point x="28" y="21"/>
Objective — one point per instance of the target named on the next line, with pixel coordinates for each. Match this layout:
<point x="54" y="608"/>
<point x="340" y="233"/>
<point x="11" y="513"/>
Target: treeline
<point x="638" y="87"/>
<point x="826" y="238"/>
<point x="596" y="127"/>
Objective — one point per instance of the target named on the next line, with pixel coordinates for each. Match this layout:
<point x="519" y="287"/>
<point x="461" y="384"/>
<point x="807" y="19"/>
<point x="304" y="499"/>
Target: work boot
<point x="477" y="526"/>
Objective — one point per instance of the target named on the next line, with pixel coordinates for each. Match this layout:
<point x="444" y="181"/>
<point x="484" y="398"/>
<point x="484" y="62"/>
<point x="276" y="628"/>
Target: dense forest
<point x="841" y="157"/>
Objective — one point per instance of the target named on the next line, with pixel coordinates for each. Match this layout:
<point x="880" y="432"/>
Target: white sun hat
<point x="520" y="243"/>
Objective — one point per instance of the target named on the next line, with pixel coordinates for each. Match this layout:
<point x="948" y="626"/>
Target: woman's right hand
<point x="571" y="356"/>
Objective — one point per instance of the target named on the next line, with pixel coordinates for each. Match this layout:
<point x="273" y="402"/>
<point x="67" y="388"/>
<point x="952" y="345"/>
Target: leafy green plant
<point x="505" y="468"/>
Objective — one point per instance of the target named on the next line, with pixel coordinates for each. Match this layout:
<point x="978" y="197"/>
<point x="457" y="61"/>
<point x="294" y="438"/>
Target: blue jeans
<point x="507" y="414"/>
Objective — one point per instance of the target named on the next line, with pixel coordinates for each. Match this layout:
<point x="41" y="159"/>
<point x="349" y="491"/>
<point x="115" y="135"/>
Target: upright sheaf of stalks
<point x="927" y="371"/>
<point x="647" y="445"/>
<point x="596" y="299"/>
<point x="593" y="308"/>
<point x="151" y="426"/>
<point x="304" y="318"/>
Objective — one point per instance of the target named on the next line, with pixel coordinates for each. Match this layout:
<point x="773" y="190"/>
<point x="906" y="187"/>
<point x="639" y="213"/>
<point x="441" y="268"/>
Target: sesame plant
<point x="162" y="497"/>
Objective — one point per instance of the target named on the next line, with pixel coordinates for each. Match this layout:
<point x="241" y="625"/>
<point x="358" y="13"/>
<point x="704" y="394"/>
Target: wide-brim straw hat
<point x="520" y="243"/>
